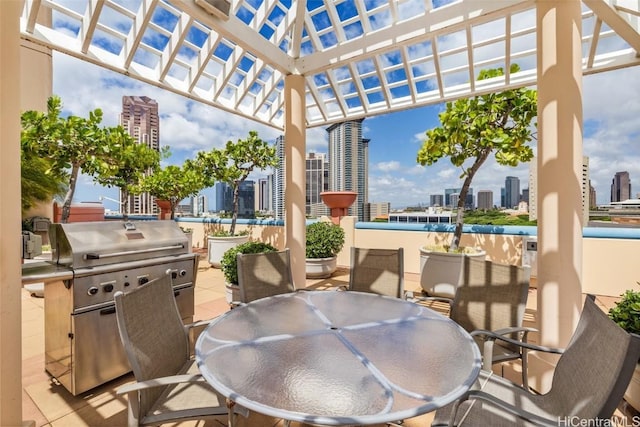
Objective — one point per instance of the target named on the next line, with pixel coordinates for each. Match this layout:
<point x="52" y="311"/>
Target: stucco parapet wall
<point x="590" y="232"/>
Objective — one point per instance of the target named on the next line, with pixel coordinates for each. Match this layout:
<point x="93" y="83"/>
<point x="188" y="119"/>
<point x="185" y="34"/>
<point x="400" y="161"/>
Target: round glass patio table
<point x="337" y="358"/>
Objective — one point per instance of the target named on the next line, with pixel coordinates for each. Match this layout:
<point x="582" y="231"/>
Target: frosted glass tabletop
<point x="337" y="358"/>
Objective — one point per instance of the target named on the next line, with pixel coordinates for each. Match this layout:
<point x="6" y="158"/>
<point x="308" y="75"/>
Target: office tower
<point x="264" y="195"/>
<point x="511" y="192"/>
<point x="436" y="200"/>
<point x="140" y="119"/>
<point x="246" y="198"/>
<point x="224" y="197"/>
<point x="202" y="205"/>
<point x="593" y="204"/>
<point x="317" y="179"/>
<point x="485" y="199"/>
<point x="348" y="162"/>
<point x="278" y="181"/>
<point x="533" y="190"/>
<point x="378" y="210"/>
<point x="447" y="197"/>
<point x="525" y="195"/>
<point x="449" y="203"/>
<point x="621" y="187"/>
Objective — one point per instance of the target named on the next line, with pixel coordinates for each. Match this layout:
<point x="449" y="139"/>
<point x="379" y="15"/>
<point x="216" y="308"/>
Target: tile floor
<point x="50" y="404"/>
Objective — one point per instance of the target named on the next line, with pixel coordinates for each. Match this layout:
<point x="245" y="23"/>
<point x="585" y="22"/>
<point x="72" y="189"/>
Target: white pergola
<point x="359" y="58"/>
<point x="296" y="64"/>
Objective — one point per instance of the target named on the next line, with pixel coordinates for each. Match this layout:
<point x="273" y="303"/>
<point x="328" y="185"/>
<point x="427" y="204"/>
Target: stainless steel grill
<point x="90" y="262"/>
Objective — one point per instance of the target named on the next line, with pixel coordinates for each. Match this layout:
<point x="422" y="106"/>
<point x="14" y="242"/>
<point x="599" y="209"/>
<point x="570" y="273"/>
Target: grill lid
<point x="89" y="244"/>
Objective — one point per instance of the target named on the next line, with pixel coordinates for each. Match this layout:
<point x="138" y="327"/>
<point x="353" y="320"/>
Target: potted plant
<point x="232" y="165"/>
<point x="471" y="130"/>
<point x="626" y="313"/>
<point x="324" y="241"/>
<point x="173" y="184"/>
<point x="229" y="266"/>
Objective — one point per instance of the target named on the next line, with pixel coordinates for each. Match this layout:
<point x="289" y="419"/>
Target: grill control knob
<point x="127" y="284"/>
<point x="183" y="273"/>
<point x="174" y="274"/>
<point x="108" y="287"/>
<point x="92" y="290"/>
<point x="143" y="280"/>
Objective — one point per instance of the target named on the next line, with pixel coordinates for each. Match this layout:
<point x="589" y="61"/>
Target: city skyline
<point x="610" y="127"/>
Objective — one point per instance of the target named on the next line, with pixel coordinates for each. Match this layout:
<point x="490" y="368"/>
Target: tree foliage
<point x="36" y="185"/>
<point x="124" y="164"/>
<point x="70" y="144"/>
<point x="233" y="164"/>
<point x="473" y="128"/>
<point x="174" y="183"/>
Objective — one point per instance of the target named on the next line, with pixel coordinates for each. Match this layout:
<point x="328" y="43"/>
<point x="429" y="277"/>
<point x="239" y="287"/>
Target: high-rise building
<point x="436" y="200"/>
<point x="621" y="187"/>
<point x="511" y="192"/>
<point x="140" y="119"/>
<point x="485" y="199"/>
<point x="263" y="195"/>
<point x="453" y="203"/>
<point x="246" y="198"/>
<point x="378" y="210"/>
<point x="348" y="163"/>
<point x="533" y="190"/>
<point x="201" y="205"/>
<point x="278" y="181"/>
<point x="317" y="179"/>
<point x="593" y="204"/>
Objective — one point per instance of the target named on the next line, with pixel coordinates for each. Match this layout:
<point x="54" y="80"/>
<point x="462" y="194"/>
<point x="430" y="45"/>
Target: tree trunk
<point x="125" y="204"/>
<point x="471" y="172"/>
<point x="68" y="198"/>
<point x="236" y="202"/>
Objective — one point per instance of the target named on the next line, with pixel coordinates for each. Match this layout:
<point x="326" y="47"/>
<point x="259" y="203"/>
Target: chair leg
<point x="231" y="415"/>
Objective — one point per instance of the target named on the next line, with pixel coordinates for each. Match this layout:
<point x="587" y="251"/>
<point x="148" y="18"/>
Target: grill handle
<point x="93" y="255"/>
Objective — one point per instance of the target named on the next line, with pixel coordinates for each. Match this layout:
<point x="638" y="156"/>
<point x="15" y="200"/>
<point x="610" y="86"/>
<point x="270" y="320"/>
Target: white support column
<point x="10" y="288"/>
<point x="559" y="178"/>
<point x="295" y="175"/>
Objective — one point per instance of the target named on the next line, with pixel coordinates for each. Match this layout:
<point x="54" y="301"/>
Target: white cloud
<point x="388" y="166"/>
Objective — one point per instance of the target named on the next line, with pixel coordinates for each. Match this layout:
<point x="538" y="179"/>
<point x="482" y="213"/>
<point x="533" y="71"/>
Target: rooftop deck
<point x="50" y="404"/>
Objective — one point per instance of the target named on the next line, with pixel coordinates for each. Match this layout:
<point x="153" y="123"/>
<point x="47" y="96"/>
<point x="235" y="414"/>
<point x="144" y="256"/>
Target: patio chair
<point x="588" y="383"/>
<point x="264" y="274"/>
<point x="379" y="271"/>
<point x="168" y="387"/>
<point x="492" y="297"/>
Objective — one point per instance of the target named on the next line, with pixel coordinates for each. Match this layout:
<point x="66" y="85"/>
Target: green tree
<point x="234" y="163"/>
<point x="37" y="185"/>
<point x="174" y="183"/>
<point x="72" y="143"/>
<point x="475" y="127"/>
<point x="125" y="164"/>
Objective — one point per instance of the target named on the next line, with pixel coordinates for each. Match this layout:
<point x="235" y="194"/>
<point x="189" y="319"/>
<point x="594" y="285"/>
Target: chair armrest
<point x="409" y="295"/>
<point x="536" y="419"/>
<point x="494" y="336"/>
<point x="514" y="329"/>
<point x="160" y="382"/>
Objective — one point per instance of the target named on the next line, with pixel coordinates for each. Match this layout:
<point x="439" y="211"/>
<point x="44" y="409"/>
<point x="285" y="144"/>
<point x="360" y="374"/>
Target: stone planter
<point x="217" y="246"/>
<point x="320" y="268"/>
<point x="442" y="272"/>
<point x="632" y="395"/>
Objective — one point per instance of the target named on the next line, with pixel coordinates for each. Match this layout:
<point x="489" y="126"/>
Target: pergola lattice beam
<point x="612" y="18"/>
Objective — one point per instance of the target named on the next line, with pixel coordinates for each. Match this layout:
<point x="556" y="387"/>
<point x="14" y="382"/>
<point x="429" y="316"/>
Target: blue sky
<point x="611" y="138"/>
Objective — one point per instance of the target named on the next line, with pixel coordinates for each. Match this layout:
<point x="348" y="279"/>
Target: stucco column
<point x="10" y="288"/>
<point x="295" y="174"/>
<point x="559" y="163"/>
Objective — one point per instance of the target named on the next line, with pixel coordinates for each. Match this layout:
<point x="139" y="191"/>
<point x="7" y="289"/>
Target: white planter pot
<point x="219" y="245"/>
<point x="632" y="395"/>
<point x="189" y="241"/>
<point x="441" y="272"/>
<point x="320" y="268"/>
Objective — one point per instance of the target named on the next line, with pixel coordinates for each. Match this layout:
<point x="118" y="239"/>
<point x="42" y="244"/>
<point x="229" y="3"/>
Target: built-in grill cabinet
<point x="90" y="262"/>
